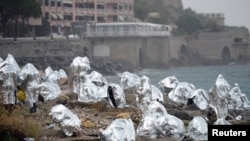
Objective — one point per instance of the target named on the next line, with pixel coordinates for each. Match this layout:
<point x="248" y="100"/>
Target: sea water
<point x="203" y="77"/>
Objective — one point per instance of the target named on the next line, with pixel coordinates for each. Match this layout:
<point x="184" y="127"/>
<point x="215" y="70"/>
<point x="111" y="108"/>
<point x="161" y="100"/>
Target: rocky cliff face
<point x="172" y="8"/>
<point x="174" y="3"/>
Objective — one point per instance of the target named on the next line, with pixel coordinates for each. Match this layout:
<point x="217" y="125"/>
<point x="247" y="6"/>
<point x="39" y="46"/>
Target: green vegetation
<point x="167" y="14"/>
<point x="187" y="20"/>
<point x="44" y="29"/>
<point x="18" y="125"/>
<point x="14" y="16"/>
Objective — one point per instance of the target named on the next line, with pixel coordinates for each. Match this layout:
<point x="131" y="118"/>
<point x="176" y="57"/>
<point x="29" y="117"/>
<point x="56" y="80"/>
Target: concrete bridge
<point x="135" y="51"/>
<point x="132" y="44"/>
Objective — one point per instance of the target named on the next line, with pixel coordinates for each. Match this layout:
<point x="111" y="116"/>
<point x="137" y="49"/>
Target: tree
<point x="141" y="8"/>
<point x="29" y="8"/>
<point x="168" y="14"/>
<point x="44" y="29"/>
<point x="189" y="22"/>
<point x="12" y="10"/>
<point x="5" y="14"/>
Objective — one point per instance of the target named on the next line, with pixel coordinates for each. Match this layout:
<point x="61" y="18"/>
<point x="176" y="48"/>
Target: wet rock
<point x="180" y="114"/>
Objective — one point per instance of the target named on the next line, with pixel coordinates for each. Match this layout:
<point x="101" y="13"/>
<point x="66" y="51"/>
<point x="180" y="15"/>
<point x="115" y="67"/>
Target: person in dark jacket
<point x="111" y="96"/>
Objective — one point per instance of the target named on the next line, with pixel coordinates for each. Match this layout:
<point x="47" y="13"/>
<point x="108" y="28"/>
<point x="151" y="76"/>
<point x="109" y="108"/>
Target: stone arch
<point x="183" y="49"/>
<point x="85" y="51"/>
<point x="101" y="51"/>
<point x="225" y="53"/>
<point x="141" y="57"/>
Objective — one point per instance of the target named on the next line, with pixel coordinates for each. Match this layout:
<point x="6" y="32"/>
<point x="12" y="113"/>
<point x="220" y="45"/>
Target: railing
<point x="126" y="34"/>
<point x="29" y="39"/>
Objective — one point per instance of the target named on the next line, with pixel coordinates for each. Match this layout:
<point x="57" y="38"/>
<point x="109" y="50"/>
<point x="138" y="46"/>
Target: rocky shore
<point x="19" y="123"/>
<point x="95" y="116"/>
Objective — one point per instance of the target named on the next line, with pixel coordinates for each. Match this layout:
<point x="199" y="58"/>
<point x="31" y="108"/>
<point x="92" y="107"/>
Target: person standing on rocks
<point x="8" y="81"/>
<point x="111" y="96"/>
<point x="28" y="80"/>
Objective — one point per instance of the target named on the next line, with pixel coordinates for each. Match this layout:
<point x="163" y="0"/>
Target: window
<point x="130" y="8"/>
<point x="238" y="40"/>
<point x="90" y="18"/>
<point x="80" y="18"/>
<point x="52" y="3"/>
<point x="120" y="7"/>
<point x="46" y="15"/>
<point x="79" y="5"/>
<point x="115" y="6"/>
<point x="89" y="5"/>
<point x="69" y="5"/>
<point x="100" y="19"/>
<point x="58" y="3"/>
<point x="100" y="6"/>
<point x="46" y="2"/>
<point x="68" y="17"/>
<point x="115" y="18"/>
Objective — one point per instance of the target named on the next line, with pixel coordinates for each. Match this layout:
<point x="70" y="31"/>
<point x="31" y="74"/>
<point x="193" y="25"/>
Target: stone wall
<point x="133" y="52"/>
<point x="43" y="53"/>
<point x="210" y="45"/>
<point x="155" y="52"/>
<point x="175" y="46"/>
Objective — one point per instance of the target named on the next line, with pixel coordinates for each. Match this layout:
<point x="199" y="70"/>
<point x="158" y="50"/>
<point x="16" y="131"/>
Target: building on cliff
<point x="218" y="18"/>
<point x="62" y="13"/>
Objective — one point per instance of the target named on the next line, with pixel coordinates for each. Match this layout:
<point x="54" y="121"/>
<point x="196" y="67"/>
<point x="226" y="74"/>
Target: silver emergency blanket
<point x="157" y="122"/>
<point x="218" y="99"/>
<point x="11" y="60"/>
<point x="62" y="73"/>
<point x="118" y="95"/>
<point x="200" y="98"/>
<point x="91" y="88"/>
<point x="182" y="92"/>
<point x="129" y="81"/>
<point x="197" y="129"/>
<point x="78" y="68"/>
<point x="144" y="91"/>
<point x="28" y="80"/>
<point x="156" y="94"/>
<point x="54" y="75"/>
<point x="147" y="92"/>
<point x="8" y="79"/>
<point x="67" y="120"/>
<point x="49" y="90"/>
<point x="168" y="83"/>
<point x="119" y="130"/>
<point x="238" y="100"/>
<point x="80" y="64"/>
<point x="48" y="71"/>
<point x="96" y="78"/>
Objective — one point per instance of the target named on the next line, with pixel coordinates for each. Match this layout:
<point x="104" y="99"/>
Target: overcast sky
<point x="236" y="12"/>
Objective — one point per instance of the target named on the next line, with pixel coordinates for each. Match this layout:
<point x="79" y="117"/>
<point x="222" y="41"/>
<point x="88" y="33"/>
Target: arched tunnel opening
<point x="141" y="58"/>
<point x="183" y="49"/>
<point x="225" y="54"/>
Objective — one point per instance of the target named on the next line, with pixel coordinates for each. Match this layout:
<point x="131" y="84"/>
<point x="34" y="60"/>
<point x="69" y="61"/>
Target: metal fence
<point x="125" y="33"/>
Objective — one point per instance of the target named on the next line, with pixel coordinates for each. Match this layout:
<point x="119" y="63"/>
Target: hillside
<point x="168" y="10"/>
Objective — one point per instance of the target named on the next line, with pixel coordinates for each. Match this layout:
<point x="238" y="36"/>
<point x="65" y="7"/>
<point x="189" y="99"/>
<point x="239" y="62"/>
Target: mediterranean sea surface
<point x="200" y="76"/>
